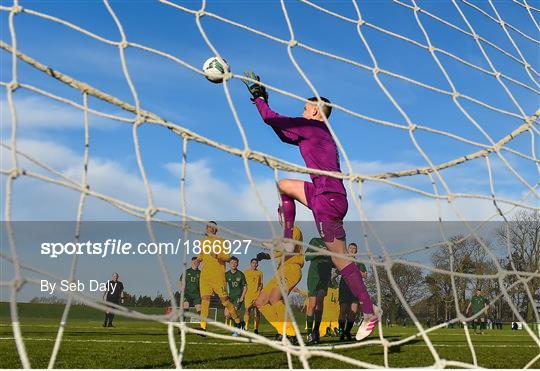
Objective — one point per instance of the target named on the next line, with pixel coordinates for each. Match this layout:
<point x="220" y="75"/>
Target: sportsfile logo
<point x="114" y="246"/>
<point x="110" y="246"/>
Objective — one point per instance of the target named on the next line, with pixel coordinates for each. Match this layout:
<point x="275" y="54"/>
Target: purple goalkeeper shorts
<point x="329" y="209"/>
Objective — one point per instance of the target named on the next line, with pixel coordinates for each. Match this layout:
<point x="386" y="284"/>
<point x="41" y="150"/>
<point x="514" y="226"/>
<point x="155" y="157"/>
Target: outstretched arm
<point x="289" y="129"/>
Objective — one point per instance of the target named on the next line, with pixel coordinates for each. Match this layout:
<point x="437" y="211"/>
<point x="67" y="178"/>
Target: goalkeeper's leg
<point x="290" y="190"/>
<point x="329" y="209"/>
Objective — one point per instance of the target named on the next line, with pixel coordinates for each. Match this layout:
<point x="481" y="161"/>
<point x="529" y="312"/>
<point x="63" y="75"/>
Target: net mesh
<point x="441" y="191"/>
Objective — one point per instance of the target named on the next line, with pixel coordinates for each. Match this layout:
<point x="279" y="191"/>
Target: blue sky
<point x="217" y="186"/>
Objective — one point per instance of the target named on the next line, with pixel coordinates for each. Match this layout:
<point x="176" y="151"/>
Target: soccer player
<point x="270" y="302"/>
<point x="254" y="279"/>
<point x="236" y="282"/>
<point x="348" y="303"/>
<point x="213" y="275"/>
<point x="114" y="294"/>
<point x="479" y="303"/>
<point x="325" y="196"/>
<point x="331" y="308"/>
<point x="192" y="293"/>
<point x="318" y="280"/>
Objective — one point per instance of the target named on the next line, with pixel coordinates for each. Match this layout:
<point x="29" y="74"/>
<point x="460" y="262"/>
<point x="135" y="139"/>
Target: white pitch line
<point x="430" y="334"/>
<point x="238" y="343"/>
<point x="122" y="341"/>
<point x="68" y="326"/>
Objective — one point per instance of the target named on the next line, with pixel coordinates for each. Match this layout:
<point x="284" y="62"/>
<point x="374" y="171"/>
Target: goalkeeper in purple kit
<point x="325" y="196"/>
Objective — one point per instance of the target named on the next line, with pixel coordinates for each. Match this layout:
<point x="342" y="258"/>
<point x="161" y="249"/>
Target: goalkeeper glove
<point x="256" y="89"/>
<point x="263" y="256"/>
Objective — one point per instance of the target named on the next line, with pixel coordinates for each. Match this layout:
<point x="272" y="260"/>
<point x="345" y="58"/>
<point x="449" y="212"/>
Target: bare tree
<point x="462" y="254"/>
<point x="410" y="282"/>
<point x="520" y="239"/>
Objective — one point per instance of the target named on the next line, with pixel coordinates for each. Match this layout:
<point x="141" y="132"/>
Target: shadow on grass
<point x="397" y="348"/>
<point x="203" y="364"/>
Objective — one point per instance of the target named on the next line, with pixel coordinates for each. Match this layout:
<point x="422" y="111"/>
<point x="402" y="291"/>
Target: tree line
<point x="435" y="295"/>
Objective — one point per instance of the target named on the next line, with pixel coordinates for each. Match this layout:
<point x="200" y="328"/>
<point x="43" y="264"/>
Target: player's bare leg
<point x="227" y="316"/>
<point x="247" y="317"/>
<point x="205" y="308"/>
<point x="256" y="317"/>
<point x="231" y="310"/>
<point x="273" y="309"/>
<point x="256" y="320"/>
<point x="293" y="188"/>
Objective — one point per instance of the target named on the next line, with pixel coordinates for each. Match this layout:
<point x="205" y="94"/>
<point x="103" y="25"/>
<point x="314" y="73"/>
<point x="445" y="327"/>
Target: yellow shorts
<point x="330" y="316"/>
<point x="288" y="274"/>
<point x="250" y="298"/>
<point x="210" y="287"/>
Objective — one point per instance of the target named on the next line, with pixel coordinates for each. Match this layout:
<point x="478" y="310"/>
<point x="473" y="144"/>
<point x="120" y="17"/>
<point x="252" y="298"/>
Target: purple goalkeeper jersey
<point x="316" y="144"/>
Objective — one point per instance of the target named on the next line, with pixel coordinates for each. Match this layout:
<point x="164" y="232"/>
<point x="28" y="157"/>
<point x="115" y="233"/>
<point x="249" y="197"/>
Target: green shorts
<point x="192" y="299"/>
<point x="319" y="275"/>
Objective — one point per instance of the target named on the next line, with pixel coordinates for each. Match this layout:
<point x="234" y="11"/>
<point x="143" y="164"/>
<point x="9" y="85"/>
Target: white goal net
<point x="454" y="84"/>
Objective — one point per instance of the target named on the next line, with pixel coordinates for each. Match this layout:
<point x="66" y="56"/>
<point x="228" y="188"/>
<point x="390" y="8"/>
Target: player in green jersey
<point x="479" y="304"/>
<point x="318" y="279"/>
<point x="237" y="286"/>
<point x="192" y="293"/>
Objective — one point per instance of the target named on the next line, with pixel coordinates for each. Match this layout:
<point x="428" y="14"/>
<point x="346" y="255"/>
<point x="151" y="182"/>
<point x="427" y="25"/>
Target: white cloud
<point x="41" y="113"/>
<point x="36" y="112"/>
<point x="210" y="197"/>
<point x="207" y="195"/>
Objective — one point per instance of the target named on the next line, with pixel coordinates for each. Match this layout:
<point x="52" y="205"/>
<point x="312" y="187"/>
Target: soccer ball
<point x="214" y="68"/>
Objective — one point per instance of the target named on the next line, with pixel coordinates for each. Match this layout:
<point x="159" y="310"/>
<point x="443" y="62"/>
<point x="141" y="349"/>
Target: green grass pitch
<point x="144" y="344"/>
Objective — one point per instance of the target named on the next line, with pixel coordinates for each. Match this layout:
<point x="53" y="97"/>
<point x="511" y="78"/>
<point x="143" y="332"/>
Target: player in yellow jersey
<point x="331" y="307"/>
<point x="289" y="272"/>
<point x="329" y="322"/>
<point x="213" y="275"/>
<point x="254" y="278"/>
